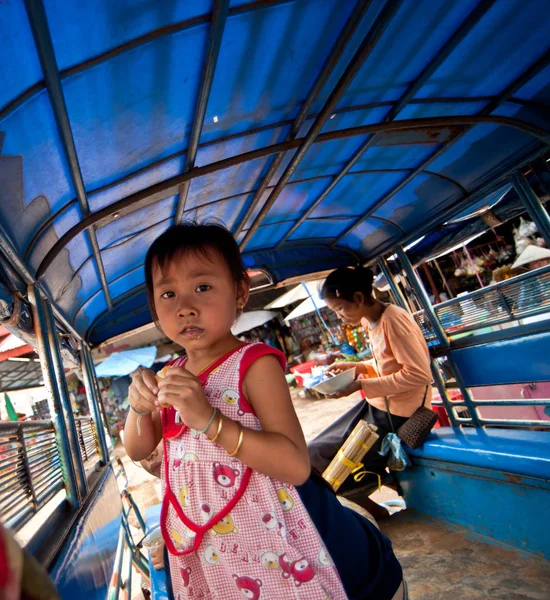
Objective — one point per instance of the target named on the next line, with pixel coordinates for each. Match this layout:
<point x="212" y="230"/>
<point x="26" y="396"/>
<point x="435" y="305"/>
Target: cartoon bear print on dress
<point x="269" y="521"/>
<point x="250" y="588"/>
<point x="185" y="575"/>
<point x="286" y="500"/>
<point x="324" y="559"/>
<point x="190" y="457"/>
<point x="180" y="452"/>
<point x="211" y="556"/>
<point x="184" y="495"/>
<point x="176" y="537"/>
<point x="301" y="571"/>
<point x="206" y="512"/>
<point x="230" y="397"/>
<point x="269" y="559"/>
<point x="286" y="566"/>
<point x="225" y="526"/>
<point x="225" y="475"/>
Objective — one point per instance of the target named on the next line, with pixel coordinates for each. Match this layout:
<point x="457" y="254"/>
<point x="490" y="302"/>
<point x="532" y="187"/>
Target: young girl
<point x="233" y="520"/>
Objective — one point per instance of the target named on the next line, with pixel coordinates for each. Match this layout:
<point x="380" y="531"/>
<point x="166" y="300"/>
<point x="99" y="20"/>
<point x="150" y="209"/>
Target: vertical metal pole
<point x="95" y="411"/>
<point x="534" y="206"/>
<point x="440" y="384"/>
<point x="422" y="297"/>
<point x="397" y="294"/>
<point x="443" y="278"/>
<point x="434" y="367"/>
<point x="21" y="438"/>
<point x="319" y="314"/>
<point x="54" y="397"/>
<point x="68" y="414"/>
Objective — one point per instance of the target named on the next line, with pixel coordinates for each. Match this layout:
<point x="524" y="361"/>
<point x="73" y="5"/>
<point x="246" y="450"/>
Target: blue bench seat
<point x="494" y="482"/>
<point x="515" y="451"/>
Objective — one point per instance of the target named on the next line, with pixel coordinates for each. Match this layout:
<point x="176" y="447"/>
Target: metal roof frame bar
<point x="47" y="223"/>
<point x="168" y="187"/>
<point x="331" y="63"/>
<point x="463" y="30"/>
<point x="367" y="46"/>
<point x="130" y="45"/>
<point x="535" y="68"/>
<point x="44" y="47"/>
<point x="219" y="17"/>
<point x="483" y="190"/>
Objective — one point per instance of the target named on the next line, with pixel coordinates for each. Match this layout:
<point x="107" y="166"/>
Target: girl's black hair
<point x="344" y="283"/>
<point x="197" y="238"/>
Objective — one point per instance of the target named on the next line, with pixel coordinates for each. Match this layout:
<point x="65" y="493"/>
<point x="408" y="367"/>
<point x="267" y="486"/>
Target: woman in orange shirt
<point x="398" y="376"/>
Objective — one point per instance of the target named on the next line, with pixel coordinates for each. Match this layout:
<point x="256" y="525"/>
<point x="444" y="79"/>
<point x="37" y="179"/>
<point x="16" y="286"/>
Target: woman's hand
<point x="142" y="393"/>
<point x="157" y="556"/>
<point x="182" y="390"/>
<point x="339" y="367"/>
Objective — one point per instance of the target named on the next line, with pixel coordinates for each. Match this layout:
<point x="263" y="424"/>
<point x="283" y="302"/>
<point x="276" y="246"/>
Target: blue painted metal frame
<point x="365" y="49"/>
<point x="422" y="297"/>
<point x="88" y="371"/>
<point x="72" y="468"/>
<point x="219" y="16"/>
<point x="532" y="203"/>
<point x="44" y="47"/>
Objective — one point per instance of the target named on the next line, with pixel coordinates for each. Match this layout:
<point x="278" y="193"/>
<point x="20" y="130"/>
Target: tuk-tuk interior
<point x="322" y="133"/>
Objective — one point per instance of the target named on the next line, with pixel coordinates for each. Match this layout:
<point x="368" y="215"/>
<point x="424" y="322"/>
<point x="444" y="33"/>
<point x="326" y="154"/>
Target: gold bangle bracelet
<point x="239" y="443"/>
<point x="219" y="429"/>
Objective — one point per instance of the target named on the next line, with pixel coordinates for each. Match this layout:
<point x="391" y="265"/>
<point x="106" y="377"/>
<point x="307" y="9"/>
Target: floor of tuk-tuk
<point x="441" y="561"/>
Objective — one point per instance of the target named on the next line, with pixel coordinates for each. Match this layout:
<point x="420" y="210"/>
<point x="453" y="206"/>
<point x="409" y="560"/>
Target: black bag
<point x="416" y="428"/>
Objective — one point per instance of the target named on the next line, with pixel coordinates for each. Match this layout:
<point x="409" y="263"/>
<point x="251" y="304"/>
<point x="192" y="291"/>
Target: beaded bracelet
<point x="196" y="432"/>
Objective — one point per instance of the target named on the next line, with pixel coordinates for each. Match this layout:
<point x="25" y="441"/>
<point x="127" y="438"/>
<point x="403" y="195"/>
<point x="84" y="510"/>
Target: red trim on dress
<point x="171" y="429"/>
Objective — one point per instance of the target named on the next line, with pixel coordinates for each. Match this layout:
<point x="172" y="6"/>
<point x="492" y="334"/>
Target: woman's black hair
<point x="195" y="238"/>
<point x="344" y="283"/>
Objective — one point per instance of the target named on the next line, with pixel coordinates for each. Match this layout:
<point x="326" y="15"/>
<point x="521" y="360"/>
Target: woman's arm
<point x="279" y="450"/>
<point x="411" y="352"/>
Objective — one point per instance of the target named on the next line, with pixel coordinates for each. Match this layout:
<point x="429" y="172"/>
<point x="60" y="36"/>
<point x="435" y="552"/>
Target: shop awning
<point x="307" y="306"/>
<point x="124" y="363"/>
<point x="252" y="319"/>
<point x="295" y="294"/>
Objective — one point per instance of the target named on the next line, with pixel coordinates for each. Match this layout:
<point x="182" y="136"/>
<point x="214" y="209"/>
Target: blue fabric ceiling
<point x="105" y="105"/>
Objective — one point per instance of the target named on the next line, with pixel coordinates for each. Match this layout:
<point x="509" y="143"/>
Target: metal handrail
<point x="30" y="470"/>
<point x="495" y="286"/>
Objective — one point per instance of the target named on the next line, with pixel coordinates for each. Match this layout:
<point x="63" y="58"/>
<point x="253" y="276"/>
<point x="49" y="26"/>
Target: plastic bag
<point x="397" y="457"/>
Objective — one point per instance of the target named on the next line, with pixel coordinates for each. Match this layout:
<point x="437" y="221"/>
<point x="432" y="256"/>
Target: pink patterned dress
<point x="231" y="532"/>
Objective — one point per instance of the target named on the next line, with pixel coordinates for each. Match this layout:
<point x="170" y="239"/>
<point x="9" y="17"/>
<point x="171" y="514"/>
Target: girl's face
<point x="350" y="313"/>
<point x="196" y="299"/>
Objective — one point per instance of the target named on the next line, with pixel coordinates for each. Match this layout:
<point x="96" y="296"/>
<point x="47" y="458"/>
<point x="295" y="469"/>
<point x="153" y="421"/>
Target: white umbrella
<point x="306" y="307"/>
<point x="298" y="293"/>
<point x="249" y="320"/>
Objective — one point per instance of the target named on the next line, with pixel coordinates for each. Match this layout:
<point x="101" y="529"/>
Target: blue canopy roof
<point x="321" y="132"/>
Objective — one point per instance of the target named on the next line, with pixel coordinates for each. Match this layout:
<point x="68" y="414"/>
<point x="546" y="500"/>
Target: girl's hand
<point x="182" y="390"/>
<point x="142" y="393"/>
<point x="157" y="556"/>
